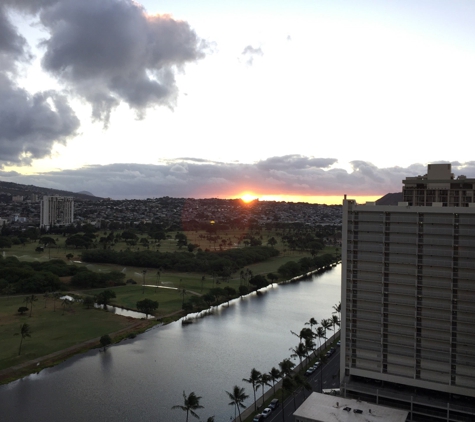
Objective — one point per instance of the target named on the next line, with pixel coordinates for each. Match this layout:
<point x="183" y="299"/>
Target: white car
<point x="266" y="412"/>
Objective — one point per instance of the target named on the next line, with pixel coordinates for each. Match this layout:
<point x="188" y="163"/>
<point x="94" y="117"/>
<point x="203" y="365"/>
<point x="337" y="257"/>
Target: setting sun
<point x="248" y="197"/>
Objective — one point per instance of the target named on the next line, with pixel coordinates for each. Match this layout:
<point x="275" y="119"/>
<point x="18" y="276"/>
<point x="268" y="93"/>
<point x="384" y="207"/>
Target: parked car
<point x="309" y="371"/>
<point x="258" y="418"/>
<point x="274" y="404"/>
<point x="338" y="343"/>
<point x="316" y="365"/>
<point x="266" y="412"/>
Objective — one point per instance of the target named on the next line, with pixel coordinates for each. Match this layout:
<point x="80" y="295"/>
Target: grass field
<point x="50" y="330"/>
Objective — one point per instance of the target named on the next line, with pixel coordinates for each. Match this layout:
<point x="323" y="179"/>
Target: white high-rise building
<point x="408" y="308"/>
<point x="56" y="211"/>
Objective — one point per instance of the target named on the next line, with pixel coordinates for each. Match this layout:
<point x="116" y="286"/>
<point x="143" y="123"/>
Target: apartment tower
<point x="56" y="211"/>
<point x="408" y="299"/>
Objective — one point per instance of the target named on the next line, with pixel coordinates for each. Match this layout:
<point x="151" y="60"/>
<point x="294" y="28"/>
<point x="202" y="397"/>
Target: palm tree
<point x="311" y="322"/>
<point x="337" y="308"/>
<point x="335" y="321"/>
<point x="286" y="367"/>
<point x="320" y="334"/>
<point x="56" y="296"/>
<point x="288" y="386"/>
<point x="237" y="399"/>
<point x="326" y="325"/>
<point x="299" y="351"/>
<point x="190" y="404"/>
<point x="254" y="379"/>
<point x="65" y="303"/>
<point x="302" y="382"/>
<point x="265" y="378"/>
<point x="25" y="331"/>
<point x="274" y="376"/>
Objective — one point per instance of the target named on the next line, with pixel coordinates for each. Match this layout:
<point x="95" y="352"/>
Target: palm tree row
<point x="290" y="381"/>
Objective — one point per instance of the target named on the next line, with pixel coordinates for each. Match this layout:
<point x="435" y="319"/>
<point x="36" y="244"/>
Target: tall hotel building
<point x="408" y="299"/>
<point x="56" y="211"/>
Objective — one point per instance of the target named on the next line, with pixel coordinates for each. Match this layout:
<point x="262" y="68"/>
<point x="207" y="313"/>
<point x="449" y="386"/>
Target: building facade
<point x="408" y="308"/>
<point x="439" y="186"/>
<point x="56" y="211"/>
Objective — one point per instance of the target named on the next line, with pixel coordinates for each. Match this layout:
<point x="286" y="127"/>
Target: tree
<point x="105" y="340"/>
<point x="302" y="382"/>
<point x="286" y="367"/>
<point x="69" y="256"/>
<point x="25" y="331"/>
<point x="22" y="310"/>
<point x="254" y="379"/>
<point x="31" y="299"/>
<point x="299" y="351"/>
<point x="56" y="296"/>
<point x="311" y="322"/>
<point x="288" y="386"/>
<point x="320" y="333"/>
<point x="65" y="303"/>
<point x="272" y="242"/>
<point x="326" y="325"/>
<point x="259" y="281"/>
<point x="237" y="396"/>
<point x="190" y="404"/>
<point x="265" y="378"/>
<point x="104" y="298"/>
<point x="147" y="306"/>
<point x="274" y="375"/>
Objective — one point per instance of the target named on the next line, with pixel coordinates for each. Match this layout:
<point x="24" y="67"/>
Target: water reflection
<point x="124" y="312"/>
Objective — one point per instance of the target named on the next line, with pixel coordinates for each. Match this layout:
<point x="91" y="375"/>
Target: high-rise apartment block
<point x="56" y="211"/>
<point x="408" y="301"/>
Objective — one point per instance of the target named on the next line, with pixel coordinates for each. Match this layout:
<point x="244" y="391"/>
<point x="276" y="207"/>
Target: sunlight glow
<point x="248" y="197"/>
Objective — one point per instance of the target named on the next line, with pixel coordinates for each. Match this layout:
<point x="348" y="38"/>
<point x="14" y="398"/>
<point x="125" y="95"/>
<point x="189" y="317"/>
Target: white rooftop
<point x="326" y="408"/>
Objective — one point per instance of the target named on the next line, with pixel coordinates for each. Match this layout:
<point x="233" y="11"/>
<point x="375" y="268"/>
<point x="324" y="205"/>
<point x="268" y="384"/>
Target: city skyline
<point x="301" y="101"/>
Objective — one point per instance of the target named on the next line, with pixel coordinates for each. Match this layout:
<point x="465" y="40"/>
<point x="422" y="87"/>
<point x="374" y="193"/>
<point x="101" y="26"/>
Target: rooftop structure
<point x="439" y="186"/>
<point x="326" y="408"/>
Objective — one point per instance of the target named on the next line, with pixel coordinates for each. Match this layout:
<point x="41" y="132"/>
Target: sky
<point x="296" y="101"/>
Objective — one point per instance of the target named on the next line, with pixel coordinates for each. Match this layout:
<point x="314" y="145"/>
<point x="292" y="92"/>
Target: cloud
<point x="250" y="53"/>
<point x="13" y="46"/>
<point x="198" y="179"/>
<point x="112" y="51"/>
<point x="30" y="124"/>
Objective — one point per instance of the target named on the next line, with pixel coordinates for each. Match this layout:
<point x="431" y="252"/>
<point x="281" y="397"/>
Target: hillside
<point x="9" y="189"/>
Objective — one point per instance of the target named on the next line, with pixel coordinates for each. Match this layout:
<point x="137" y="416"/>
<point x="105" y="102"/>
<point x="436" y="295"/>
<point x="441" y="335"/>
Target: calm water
<point x="141" y="379"/>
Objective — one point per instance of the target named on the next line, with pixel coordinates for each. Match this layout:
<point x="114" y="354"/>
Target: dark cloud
<point x="250" y="53"/>
<point x="201" y="179"/>
<point x="30" y="124"/>
<point x="287" y="162"/>
<point x="110" y="51"/>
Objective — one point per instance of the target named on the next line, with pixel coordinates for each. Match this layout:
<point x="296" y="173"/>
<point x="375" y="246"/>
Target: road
<point x="330" y="377"/>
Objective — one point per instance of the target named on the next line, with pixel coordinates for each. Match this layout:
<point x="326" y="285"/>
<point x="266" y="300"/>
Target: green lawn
<point x="51" y="330"/>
